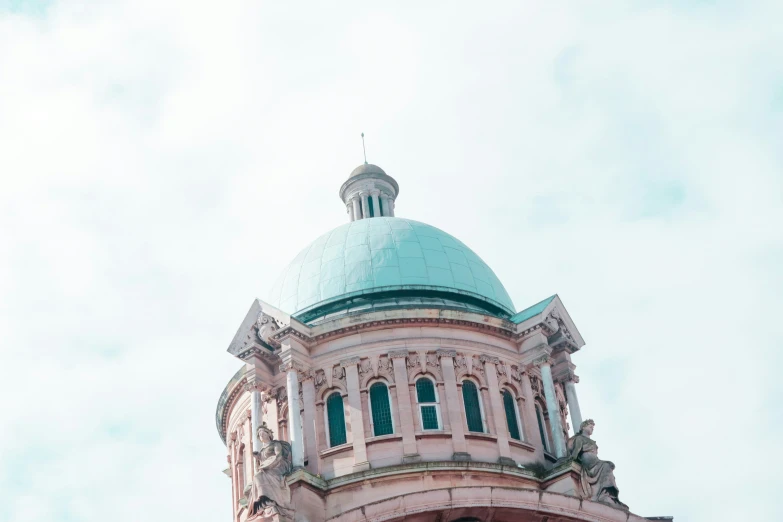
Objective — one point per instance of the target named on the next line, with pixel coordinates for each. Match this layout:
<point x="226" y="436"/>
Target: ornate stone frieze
<point x="413" y="360"/>
<point x="515" y="373"/>
<point x="398" y="354"/>
<point x="501" y="370"/>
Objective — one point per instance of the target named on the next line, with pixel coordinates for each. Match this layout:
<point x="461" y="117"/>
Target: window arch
<point x="335" y="419"/>
<point x="429" y="407"/>
<point x="380" y="410"/>
<point x="542" y="428"/>
<point x="473" y="409"/>
<point x="512" y="416"/>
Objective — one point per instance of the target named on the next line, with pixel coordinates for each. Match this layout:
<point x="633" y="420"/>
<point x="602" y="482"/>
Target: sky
<point x="161" y="162"/>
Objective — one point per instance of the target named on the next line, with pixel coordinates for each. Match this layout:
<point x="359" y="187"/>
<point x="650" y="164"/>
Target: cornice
<point x="505" y="333"/>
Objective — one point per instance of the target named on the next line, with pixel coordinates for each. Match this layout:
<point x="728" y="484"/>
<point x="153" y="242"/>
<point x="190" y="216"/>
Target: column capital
<point x="351" y="361"/>
<point x="398" y="354"/>
<point x="567" y="377"/>
<point x="542" y="360"/>
<point x="293" y="365"/>
<point x="446" y="353"/>
<point x="489" y="359"/>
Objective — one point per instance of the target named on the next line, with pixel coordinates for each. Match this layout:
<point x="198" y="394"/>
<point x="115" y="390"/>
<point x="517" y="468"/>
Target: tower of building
<point x="390" y="377"/>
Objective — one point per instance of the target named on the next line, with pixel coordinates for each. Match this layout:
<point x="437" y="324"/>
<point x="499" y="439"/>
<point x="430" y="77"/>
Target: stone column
<point x="310" y="432"/>
<point x="528" y="413"/>
<point x="357" y="418"/>
<point x="551" y="405"/>
<point x="294" y="418"/>
<point x="573" y="403"/>
<point x="410" y="451"/>
<point x="349" y="206"/>
<point x="365" y="209"/>
<point x="453" y="405"/>
<point x="498" y="412"/>
<point x="376" y="204"/>
<point x="256" y="417"/>
<point x="385" y="204"/>
<point x="391" y="207"/>
<point x="357" y="208"/>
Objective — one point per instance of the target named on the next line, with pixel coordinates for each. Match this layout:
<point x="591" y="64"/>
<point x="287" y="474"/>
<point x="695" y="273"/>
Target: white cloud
<point x="161" y="162"/>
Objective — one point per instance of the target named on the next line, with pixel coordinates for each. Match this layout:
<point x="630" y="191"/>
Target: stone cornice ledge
<point x="445" y="465"/>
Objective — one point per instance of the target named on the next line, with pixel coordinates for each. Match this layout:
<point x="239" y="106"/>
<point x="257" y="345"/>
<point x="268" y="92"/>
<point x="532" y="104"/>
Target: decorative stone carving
<point x="413" y="360"/>
<point x="515" y="373"/>
<point x="446" y="353"/>
<point x="535" y="385"/>
<point x="398" y="354"/>
<point x="269" y="492"/>
<point x="501" y="370"/>
<point x="460" y="364"/>
<point x="597" y="477"/>
<point x="338" y="372"/>
<point x="385" y="368"/>
<point x="478" y="366"/>
<point x="281" y="398"/>
<point x="489" y="358"/>
<point x="319" y="379"/>
<point x="265" y="326"/>
<point x="365" y="367"/>
<point x="432" y="361"/>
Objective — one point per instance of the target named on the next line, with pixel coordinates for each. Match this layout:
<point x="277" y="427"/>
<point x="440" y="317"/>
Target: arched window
<point x="380" y="409"/>
<point x="542" y="427"/>
<point x="429" y="410"/>
<point x="512" y="417"/>
<point x="472" y="403"/>
<point x="335" y="419"/>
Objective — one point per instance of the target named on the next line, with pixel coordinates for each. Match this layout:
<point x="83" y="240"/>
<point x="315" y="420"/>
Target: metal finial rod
<point x="364" y="150"/>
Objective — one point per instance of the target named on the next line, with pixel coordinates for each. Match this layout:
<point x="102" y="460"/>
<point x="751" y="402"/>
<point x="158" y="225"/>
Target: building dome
<point x="385" y="257"/>
<point x="367" y="168"/>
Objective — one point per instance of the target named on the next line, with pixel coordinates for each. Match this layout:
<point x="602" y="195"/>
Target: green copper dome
<point x="385" y="257"/>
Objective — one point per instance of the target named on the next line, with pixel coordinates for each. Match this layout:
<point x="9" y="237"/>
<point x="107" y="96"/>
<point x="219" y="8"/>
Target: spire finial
<point x="364" y="150"/>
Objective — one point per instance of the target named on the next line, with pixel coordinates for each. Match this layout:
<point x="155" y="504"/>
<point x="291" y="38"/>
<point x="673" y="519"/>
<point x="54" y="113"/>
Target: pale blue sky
<point x="161" y="162"/>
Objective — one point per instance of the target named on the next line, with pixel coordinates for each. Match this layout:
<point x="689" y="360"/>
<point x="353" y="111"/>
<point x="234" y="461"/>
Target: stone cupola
<point x="369" y="192"/>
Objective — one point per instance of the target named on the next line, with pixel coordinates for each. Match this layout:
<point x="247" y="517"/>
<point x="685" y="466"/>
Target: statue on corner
<point x="597" y="478"/>
<point x="269" y="493"/>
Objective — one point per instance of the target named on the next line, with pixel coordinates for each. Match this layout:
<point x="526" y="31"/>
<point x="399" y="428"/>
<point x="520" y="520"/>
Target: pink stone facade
<point x="412" y="473"/>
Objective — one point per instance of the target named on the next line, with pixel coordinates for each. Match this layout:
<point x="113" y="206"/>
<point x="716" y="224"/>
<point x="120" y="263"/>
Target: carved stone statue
<point x="597" y="478"/>
<point x="269" y="493"/>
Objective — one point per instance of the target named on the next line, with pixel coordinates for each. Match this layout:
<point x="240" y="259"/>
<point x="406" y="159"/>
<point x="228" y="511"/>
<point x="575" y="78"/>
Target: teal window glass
<point x="541" y="429"/>
<point x="336" y="416"/>
<point x="511" y="415"/>
<point x="472" y="407"/>
<point x="369" y="206"/>
<point x="425" y="390"/>
<point x="429" y="417"/>
<point x="381" y="411"/>
<point x="428" y="404"/>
